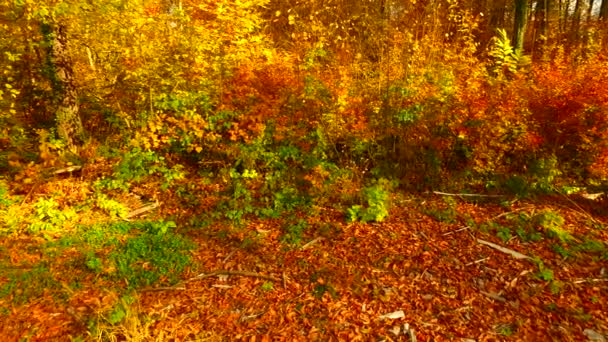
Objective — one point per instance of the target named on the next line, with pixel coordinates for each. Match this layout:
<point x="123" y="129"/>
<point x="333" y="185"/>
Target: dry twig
<point x="505" y="250"/>
<point x="234" y="273"/>
<point x="494" y="296"/>
<point x="465" y="195"/>
<point x="589" y="281"/>
<point x="142" y="210"/>
<point x="312" y="242"/>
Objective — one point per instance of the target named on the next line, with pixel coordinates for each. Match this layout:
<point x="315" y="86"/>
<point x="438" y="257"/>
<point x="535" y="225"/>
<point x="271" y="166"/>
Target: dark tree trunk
<point x="604" y="10"/>
<point x="590" y="10"/>
<point x="541" y="24"/>
<point x="520" y="22"/>
<point x="61" y="74"/>
<point x="576" y="21"/>
<point x="497" y="15"/>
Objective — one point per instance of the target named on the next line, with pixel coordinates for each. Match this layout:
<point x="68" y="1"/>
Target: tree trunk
<point x="590" y="10"/>
<point x="604" y="10"/>
<point x="576" y="20"/>
<point x="69" y="124"/>
<point x="497" y="15"/>
<point x="541" y="24"/>
<point x="520" y="22"/>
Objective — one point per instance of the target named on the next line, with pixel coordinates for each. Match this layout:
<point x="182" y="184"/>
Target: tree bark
<point x="590" y="10"/>
<point x="541" y="24"/>
<point x="604" y="10"/>
<point x="520" y="22"/>
<point x="69" y="124"/>
<point x="576" y="21"/>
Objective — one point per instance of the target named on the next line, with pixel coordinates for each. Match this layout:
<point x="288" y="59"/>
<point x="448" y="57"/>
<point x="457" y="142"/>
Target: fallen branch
<point x="457" y="230"/>
<point x="590" y="281"/>
<point x="234" y="273"/>
<point x="491" y="219"/>
<point x="142" y="210"/>
<point x="476" y="261"/>
<point x="494" y="296"/>
<point x="177" y="287"/>
<point x="505" y="250"/>
<point x="67" y="169"/>
<point x="465" y="195"/>
<point x="320" y="238"/>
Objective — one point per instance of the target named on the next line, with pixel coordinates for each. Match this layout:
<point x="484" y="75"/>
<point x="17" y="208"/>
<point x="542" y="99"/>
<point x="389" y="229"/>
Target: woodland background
<point x="213" y="116"/>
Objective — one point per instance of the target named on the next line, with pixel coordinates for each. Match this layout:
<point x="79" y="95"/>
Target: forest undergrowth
<point x="241" y="170"/>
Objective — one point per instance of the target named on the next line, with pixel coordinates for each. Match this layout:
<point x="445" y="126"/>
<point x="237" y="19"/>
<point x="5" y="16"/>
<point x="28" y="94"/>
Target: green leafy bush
<point x="376" y="198"/>
<point x="137" y="164"/>
<point x="49" y="218"/>
<point x="154" y="255"/>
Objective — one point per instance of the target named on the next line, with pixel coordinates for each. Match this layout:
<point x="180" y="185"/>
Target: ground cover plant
<point x="316" y="170"/>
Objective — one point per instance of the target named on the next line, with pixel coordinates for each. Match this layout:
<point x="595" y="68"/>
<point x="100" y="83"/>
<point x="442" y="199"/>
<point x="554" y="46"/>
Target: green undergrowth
<point x="549" y="227"/>
<point x="128" y="255"/>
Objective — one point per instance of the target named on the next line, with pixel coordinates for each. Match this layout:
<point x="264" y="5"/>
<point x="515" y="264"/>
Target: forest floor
<point x="438" y="268"/>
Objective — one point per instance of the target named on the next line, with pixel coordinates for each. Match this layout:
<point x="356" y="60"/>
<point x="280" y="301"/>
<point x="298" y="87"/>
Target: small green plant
<point x="48" y="218"/>
<point x="561" y="250"/>
<point x="524" y="227"/>
<point x="518" y="186"/>
<point x="267" y="286"/>
<point x="94" y="263"/>
<point x="447" y="213"/>
<point x="591" y="246"/>
<point x="553" y="223"/>
<point x="113" y="208"/>
<point x="320" y="289"/>
<point x="555" y="287"/>
<point x="137" y="164"/>
<point x="25" y="285"/>
<point x="5" y="198"/>
<point x="377" y="204"/>
<point x="154" y="255"/>
<point x="505" y="330"/>
<point x="545" y="171"/>
<point x="294" y="232"/>
<point x="120" y="310"/>
<point x="544" y="273"/>
<point x="506" y="60"/>
<point x="504" y="233"/>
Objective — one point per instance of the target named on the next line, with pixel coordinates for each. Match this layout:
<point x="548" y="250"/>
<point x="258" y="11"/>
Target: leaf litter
<point x="402" y="279"/>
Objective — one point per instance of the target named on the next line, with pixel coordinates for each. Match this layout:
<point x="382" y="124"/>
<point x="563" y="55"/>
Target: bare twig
<point x="412" y="334"/>
<point x="580" y="210"/>
<point x="476" y="261"/>
<point x="493" y="296"/>
<point x="229" y="256"/>
<point x="590" y="281"/>
<point x="142" y="210"/>
<point x="510" y="212"/>
<point x="457" y="230"/>
<point x="67" y="169"/>
<point x="465" y="195"/>
<point x="234" y="273"/>
<point x="320" y="238"/>
<point x="177" y="287"/>
<point x="505" y="250"/>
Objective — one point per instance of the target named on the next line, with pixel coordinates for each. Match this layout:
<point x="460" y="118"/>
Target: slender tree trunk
<point x="576" y="21"/>
<point x="497" y="15"/>
<point x="590" y="10"/>
<point x="69" y="124"/>
<point x="541" y="24"/>
<point x="604" y="10"/>
<point x="520" y="22"/>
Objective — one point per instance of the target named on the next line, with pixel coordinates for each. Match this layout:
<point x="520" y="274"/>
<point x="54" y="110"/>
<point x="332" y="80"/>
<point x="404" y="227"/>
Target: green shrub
<point x="376" y="198"/>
